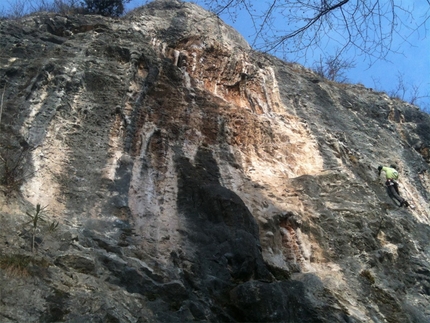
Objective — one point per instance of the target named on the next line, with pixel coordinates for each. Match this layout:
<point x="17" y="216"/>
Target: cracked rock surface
<point x="193" y="179"/>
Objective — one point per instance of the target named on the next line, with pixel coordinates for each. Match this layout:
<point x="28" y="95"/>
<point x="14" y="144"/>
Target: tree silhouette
<point x="109" y="8"/>
<point x="333" y="68"/>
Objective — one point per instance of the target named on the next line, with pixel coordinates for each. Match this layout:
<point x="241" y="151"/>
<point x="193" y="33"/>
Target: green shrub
<point x="35" y="219"/>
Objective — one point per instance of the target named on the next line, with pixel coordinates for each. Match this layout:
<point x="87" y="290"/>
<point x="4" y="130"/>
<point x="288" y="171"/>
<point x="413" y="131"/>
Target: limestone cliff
<point x="194" y="179"/>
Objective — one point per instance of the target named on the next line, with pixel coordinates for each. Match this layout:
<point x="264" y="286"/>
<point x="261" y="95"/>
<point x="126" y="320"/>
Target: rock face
<point x="196" y="180"/>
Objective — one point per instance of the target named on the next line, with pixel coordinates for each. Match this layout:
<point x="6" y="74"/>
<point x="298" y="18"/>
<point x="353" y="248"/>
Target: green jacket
<point x="390" y="173"/>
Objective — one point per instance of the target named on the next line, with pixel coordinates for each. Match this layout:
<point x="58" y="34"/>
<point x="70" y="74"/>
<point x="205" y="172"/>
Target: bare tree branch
<point x="300" y="26"/>
<point x="308" y="25"/>
<point x="266" y="18"/>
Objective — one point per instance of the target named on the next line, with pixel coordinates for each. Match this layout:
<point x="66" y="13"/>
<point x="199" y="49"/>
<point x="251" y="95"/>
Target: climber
<point x="391" y="175"/>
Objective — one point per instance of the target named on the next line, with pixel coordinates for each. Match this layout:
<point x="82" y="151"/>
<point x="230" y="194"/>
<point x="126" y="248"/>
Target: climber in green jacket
<point x="391" y="176"/>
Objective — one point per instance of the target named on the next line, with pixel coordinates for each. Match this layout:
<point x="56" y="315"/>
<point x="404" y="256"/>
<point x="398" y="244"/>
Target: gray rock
<point x="194" y="179"/>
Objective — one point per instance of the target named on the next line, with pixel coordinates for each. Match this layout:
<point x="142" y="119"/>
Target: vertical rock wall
<point x="195" y="179"/>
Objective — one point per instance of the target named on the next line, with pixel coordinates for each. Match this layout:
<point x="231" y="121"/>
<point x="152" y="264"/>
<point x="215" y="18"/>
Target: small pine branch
<point x="35" y="220"/>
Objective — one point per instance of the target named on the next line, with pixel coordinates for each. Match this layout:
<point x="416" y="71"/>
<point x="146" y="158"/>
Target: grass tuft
<point x="19" y="265"/>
